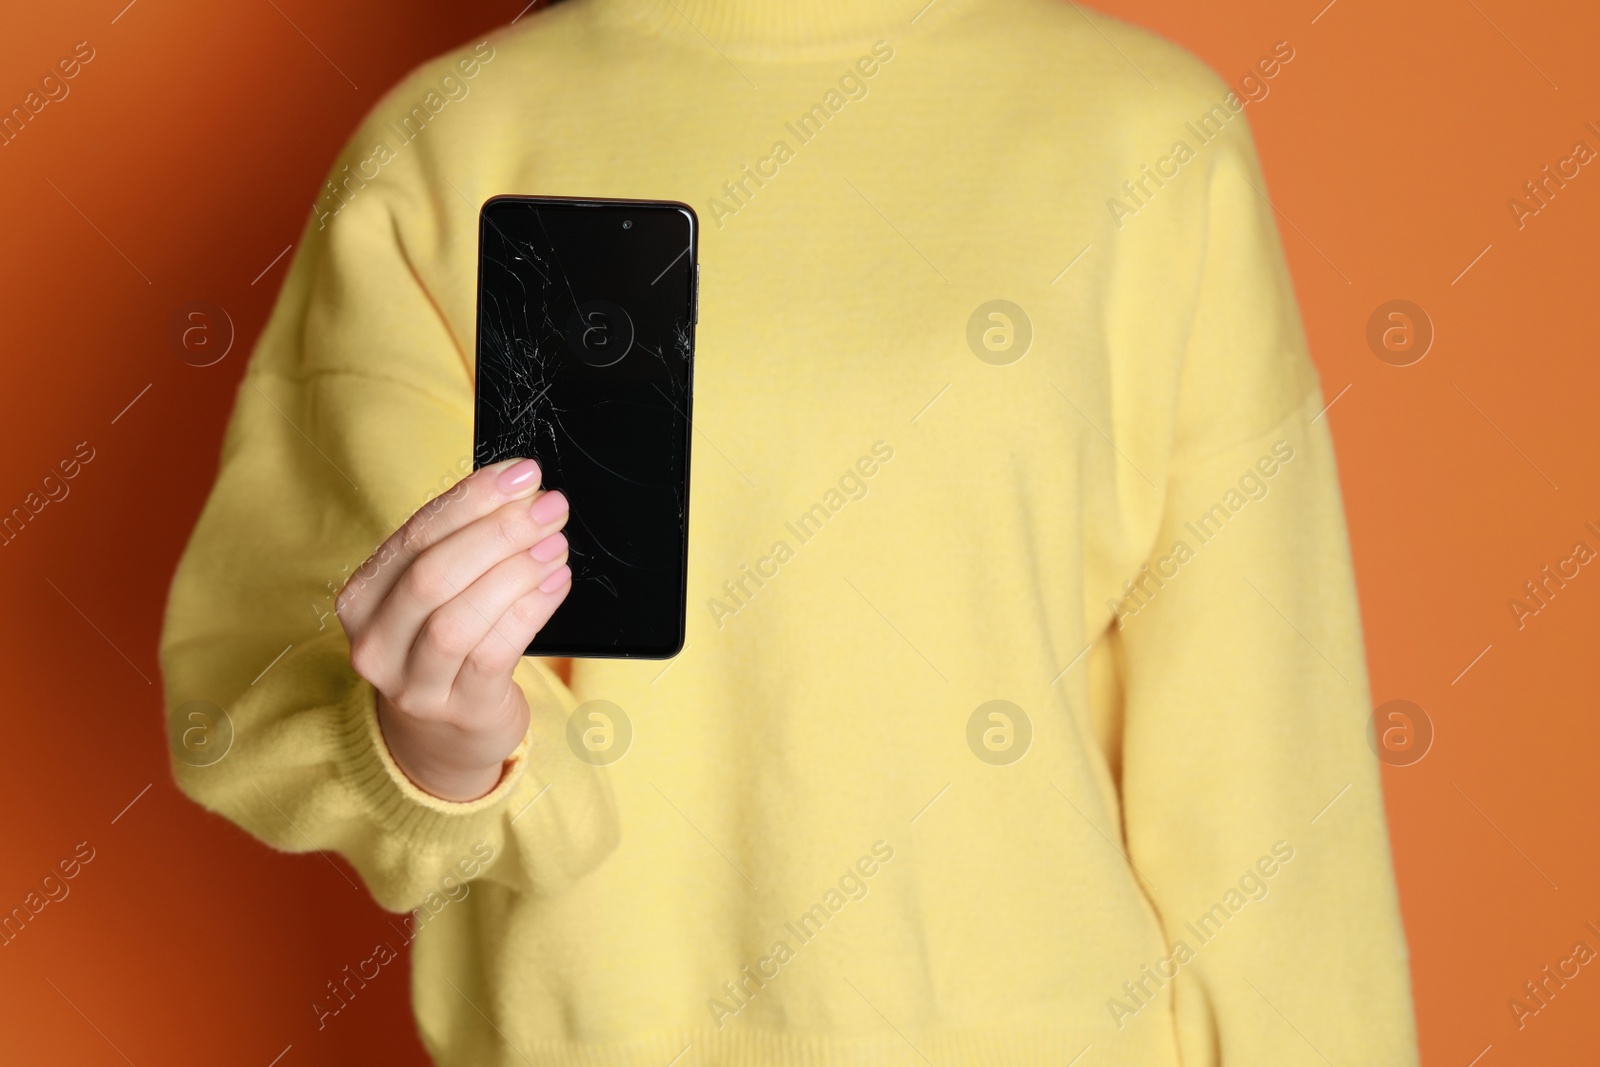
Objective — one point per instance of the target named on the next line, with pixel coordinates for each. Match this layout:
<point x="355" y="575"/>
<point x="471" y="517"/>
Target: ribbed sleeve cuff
<point x="402" y="809"/>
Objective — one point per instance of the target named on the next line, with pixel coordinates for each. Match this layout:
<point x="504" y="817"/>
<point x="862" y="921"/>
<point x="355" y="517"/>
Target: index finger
<point x="473" y="497"/>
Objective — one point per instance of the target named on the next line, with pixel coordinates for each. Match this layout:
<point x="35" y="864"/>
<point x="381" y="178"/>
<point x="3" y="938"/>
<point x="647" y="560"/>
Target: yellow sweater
<point x="1108" y="503"/>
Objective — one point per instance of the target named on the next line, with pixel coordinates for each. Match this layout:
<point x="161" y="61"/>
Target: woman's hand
<point x="439" y="616"/>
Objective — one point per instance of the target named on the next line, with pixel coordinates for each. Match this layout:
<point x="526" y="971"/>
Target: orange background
<point x="186" y="157"/>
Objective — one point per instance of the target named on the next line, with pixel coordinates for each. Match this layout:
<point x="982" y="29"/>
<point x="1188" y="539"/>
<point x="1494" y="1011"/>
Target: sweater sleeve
<point x="1253" y="804"/>
<point x="355" y="410"/>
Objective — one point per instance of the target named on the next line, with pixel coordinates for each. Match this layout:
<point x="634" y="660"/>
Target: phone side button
<point x="695" y="319"/>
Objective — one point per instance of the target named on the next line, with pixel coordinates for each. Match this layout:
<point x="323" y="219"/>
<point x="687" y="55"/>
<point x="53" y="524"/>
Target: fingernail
<point x="558" y="578"/>
<point x="549" y="548"/>
<point x="548" y="508"/>
<point x="519" y="475"/>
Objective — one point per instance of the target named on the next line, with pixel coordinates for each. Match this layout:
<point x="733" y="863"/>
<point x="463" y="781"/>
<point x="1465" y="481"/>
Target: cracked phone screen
<point x="585" y="356"/>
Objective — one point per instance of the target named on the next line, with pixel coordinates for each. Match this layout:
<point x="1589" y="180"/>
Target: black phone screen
<point x="585" y="354"/>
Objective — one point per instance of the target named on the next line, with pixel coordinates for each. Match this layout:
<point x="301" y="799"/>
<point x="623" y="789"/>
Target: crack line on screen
<point x="526" y="349"/>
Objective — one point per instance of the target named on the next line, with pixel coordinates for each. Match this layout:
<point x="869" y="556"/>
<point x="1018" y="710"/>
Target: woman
<point x="1041" y="742"/>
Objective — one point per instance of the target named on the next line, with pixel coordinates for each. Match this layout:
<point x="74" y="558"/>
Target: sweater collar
<point x="778" y="29"/>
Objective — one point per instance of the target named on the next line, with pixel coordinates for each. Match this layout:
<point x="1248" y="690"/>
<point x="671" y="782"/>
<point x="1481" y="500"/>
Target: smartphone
<point x="585" y="363"/>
